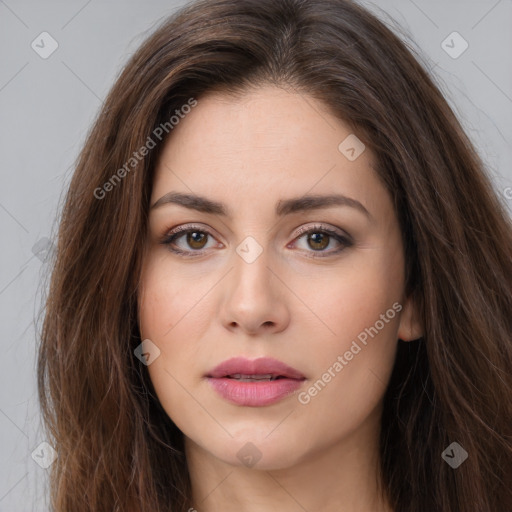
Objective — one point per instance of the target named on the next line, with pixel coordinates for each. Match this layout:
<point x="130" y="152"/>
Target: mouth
<point x="264" y="368"/>
<point x="255" y="378"/>
<point x="254" y="383"/>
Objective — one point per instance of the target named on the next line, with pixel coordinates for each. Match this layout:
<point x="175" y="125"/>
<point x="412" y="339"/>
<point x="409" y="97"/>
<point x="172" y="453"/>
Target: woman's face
<point x="264" y="272"/>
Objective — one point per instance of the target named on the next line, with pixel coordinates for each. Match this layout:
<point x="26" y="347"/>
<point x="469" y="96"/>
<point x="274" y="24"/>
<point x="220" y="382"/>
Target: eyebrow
<point x="283" y="207"/>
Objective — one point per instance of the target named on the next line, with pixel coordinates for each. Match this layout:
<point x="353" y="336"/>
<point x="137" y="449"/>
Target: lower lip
<point x="254" y="394"/>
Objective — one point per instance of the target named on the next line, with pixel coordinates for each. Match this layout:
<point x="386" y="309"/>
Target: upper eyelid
<point x="323" y="227"/>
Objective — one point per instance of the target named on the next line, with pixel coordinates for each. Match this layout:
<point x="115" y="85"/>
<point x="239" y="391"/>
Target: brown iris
<point x="196" y="239"/>
<point x="318" y="241"/>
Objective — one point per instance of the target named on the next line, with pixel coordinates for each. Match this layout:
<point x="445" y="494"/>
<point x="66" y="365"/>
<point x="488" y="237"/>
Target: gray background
<point x="47" y="106"/>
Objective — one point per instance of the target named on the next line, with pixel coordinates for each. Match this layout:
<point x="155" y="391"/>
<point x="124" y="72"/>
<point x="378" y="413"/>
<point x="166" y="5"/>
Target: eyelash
<point x="177" y="233"/>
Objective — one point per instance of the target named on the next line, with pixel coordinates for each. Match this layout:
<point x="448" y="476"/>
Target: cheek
<point x="361" y="322"/>
<point x="351" y="382"/>
<point x="168" y="300"/>
<point x="170" y="315"/>
<point x="176" y="310"/>
<point x="361" y="308"/>
<point x="352" y="297"/>
<point x="163" y="307"/>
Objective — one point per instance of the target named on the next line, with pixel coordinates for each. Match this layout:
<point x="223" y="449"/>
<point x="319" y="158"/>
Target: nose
<point x="254" y="297"/>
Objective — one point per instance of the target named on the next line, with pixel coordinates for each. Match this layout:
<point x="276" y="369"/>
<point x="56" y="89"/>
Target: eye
<point x="319" y="237"/>
<point x="193" y="237"/>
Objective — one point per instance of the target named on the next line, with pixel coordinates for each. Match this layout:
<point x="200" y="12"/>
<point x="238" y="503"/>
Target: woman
<point x="283" y="280"/>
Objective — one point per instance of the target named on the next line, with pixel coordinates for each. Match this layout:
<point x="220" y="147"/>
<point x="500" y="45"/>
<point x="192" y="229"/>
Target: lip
<point x="261" y="366"/>
<point x="254" y="394"/>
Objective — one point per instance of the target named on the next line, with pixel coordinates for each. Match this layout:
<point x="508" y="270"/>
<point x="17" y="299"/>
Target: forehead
<point x="266" y="143"/>
<point x="266" y="120"/>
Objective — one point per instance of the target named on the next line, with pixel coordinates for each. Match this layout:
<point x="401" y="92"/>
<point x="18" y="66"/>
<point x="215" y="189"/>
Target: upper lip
<point x="261" y="366"/>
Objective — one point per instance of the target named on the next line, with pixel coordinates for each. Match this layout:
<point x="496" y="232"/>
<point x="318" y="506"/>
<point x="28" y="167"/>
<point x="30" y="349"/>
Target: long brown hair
<point x="117" y="448"/>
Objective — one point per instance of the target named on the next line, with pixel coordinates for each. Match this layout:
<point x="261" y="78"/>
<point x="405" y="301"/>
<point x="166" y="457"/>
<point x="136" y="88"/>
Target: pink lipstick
<point x="254" y="383"/>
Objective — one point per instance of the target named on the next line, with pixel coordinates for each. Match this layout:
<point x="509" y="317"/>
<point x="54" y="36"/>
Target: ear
<point x="410" y="327"/>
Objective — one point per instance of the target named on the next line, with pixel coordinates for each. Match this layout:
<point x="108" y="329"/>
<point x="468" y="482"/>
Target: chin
<point x="256" y="452"/>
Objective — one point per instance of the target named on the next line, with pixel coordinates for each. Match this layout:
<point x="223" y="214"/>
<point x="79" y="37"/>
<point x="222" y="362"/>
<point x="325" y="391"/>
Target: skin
<point x="249" y="153"/>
